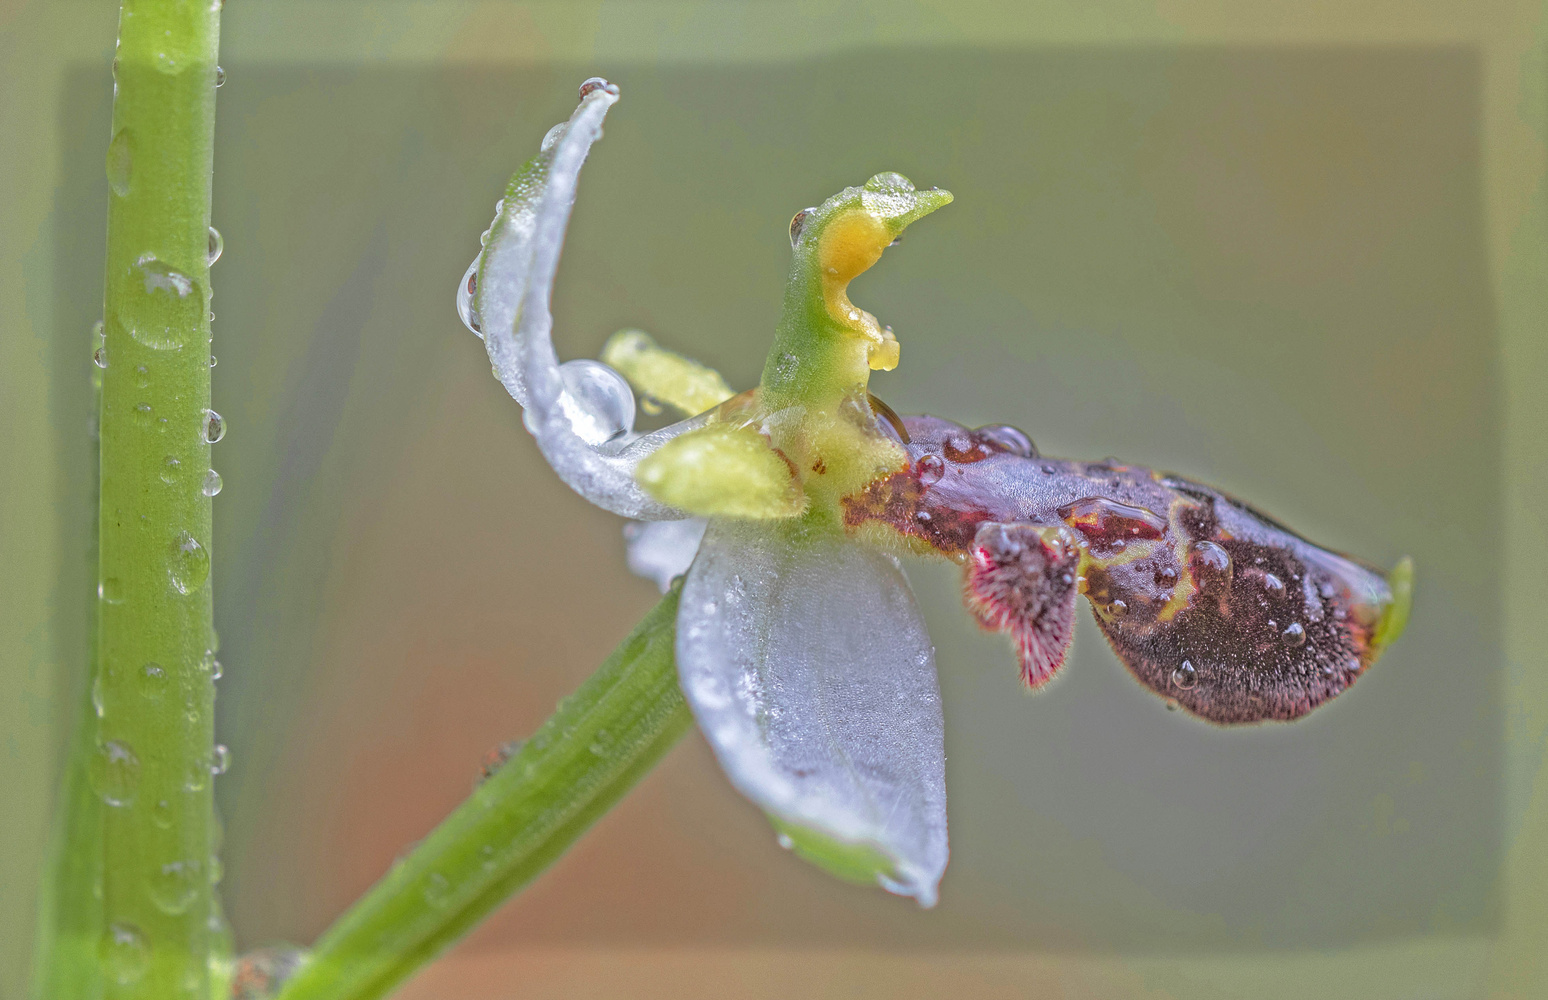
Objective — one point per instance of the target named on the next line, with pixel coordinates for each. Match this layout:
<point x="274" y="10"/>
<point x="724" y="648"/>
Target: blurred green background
<point x="1289" y="257"/>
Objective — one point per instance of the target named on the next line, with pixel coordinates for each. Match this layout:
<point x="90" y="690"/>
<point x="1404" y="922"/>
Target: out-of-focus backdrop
<point x="1291" y="255"/>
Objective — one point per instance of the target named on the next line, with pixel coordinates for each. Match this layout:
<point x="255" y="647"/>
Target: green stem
<point x="602" y="740"/>
<point x="154" y="693"/>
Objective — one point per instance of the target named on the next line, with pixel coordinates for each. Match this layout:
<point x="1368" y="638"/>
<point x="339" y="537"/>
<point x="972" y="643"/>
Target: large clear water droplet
<point x="217" y="246"/>
<point x="220" y="77"/>
<point x="124" y="953"/>
<point x="174" y="886"/>
<point x="1293" y="635"/>
<point x="596" y="401"/>
<point x="597" y="83"/>
<point x="214" y="426"/>
<point x="115" y="773"/>
<point x="120" y="162"/>
<point x="171" y="470"/>
<point x="1185" y="676"/>
<point x="465" y="292"/>
<point x="212" y="483"/>
<point x="190" y="565"/>
<point x="166" y="307"/>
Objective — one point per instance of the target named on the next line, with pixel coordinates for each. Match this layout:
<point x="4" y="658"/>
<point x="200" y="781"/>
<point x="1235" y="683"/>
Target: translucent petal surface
<point x="809" y="670"/>
<point x="581" y="413"/>
<point x="663" y="550"/>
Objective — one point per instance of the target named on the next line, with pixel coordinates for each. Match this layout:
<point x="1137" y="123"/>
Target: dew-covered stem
<point x="599" y="742"/>
<point x="154" y="693"/>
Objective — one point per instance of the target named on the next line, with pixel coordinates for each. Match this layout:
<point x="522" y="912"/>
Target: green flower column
<point x="154" y="692"/>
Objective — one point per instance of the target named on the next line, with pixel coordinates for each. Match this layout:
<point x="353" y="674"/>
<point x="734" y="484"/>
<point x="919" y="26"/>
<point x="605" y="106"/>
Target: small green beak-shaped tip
<point x="863" y="864"/>
<point x="1395" y="619"/>
<point x="893" y="198"/>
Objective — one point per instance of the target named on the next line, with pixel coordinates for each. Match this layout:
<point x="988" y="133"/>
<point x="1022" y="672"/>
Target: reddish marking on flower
<point x="966" y="449"/>
<point x="1107" y="522"/>
<point x="1021" y="580"/>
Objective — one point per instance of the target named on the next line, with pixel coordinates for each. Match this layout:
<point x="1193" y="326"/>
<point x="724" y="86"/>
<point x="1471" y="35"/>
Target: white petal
<point x="582" y="413"/>
<point x="807" y="665"/>
<point x="663" y="550"/>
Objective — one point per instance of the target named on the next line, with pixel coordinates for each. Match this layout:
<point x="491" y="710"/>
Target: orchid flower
<point x="800" y="648"/>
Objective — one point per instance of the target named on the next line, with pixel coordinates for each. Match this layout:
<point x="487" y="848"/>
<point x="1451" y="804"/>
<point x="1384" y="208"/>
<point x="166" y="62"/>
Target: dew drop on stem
<point x="124" y="953"/>
<point x="174" y="886"/>
<point x="115" y="773"/>
<point x="190" y="564"/>
<point x="216" y="245"/>
<point x="214" y="427"/>
<point x="212" y="483"/>
<point x="164" y="307"/>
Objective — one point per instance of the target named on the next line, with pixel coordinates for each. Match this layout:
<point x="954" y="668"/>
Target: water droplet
<point x="1106" y="522"/>
<point x="597" y="83"/>
<point x="785" y="841"/>
<point x="1211" y="565"/>
<point x="549" y="138"/>
<point x="1274" y="585"/>
<point x="161" y="814"/>
<point x="197" y="776"/>
<point x="214" y="427"/>
<point x="99" y="357"/>
<point x="171" y="470"/>
<point x="153" y="680"/>
<point x="466" y="289"/>
<point x="1171" y="705"/>
<point x="216" y="247"/>
<point x="1293" y="635"/>
<point x="166" y="307"/>
<point x="124" y="954"/>
<point x="190" y="565"/>
<point x="212" y="483"/>
<point x="141" y="376"/>
<point x="437" y="890"/>
<point x="115" y="773"/>
<point x="97" y="699"/>
<point x="965" y="449"/>
<point x="220" y="77"/>
<point x="110" y="591"/>
<point x="120" y="162"/>
<point x="1185" y="676"/>
<point x="596" y="400"/>
<point x="1008" y="439"/>
<point x="261" y="973"/>
<point x="798" y="223"/>
<point x="174" y="886"/>
<point x="600" y="743"/>
<point x="929" y="469"/>
<point x="1117" y="609"/>
<point x="220" y="759"/>
<point x="142" y="414"/>
<point x="212" y="361"/>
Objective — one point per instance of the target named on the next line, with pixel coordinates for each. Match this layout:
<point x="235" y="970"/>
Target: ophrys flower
<point x="800" y="648"/>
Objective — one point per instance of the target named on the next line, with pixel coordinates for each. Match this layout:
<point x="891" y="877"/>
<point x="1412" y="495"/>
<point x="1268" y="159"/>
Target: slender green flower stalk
<point x="154" y="752"/>
<point x="602" y="740"/>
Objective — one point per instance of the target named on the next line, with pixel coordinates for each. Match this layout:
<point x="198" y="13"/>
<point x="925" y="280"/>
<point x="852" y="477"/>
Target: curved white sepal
<point x="808" y="668"/>
<point x="581" y="413"/>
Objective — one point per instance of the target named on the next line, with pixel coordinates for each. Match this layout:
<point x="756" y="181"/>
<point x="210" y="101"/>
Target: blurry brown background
<point x="1265" y="265"/>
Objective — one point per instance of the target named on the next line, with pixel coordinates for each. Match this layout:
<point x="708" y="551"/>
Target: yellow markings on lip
<point x="1184" y="589"/>
<point x="849" y="245"/>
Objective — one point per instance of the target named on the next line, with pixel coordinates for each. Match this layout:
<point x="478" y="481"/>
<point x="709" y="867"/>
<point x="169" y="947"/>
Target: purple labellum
<point x="1207" y="601"/>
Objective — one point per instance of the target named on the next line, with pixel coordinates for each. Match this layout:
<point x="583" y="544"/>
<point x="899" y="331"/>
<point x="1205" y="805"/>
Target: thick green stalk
<point x="154" y="692"/>
<point x="601" y="741"/>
